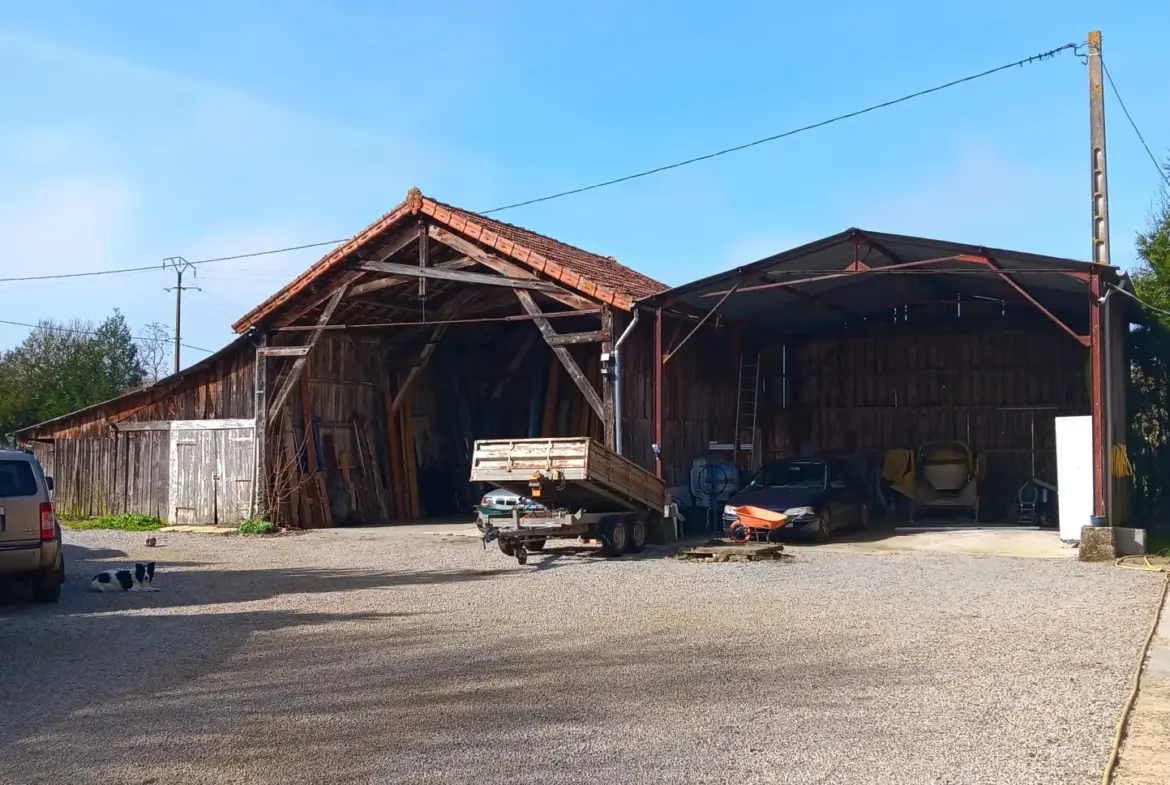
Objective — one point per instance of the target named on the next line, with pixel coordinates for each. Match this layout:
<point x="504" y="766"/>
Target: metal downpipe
<point x="617" y="382"/>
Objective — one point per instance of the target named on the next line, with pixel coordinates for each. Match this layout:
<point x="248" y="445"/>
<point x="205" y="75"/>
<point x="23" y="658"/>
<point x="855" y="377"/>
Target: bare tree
<point x="155" y="345"/>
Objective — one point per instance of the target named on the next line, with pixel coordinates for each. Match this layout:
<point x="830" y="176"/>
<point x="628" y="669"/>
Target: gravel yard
<point x="380" y="656"/>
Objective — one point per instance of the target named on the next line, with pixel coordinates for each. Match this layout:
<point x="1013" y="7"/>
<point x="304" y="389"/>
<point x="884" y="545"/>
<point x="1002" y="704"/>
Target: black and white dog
<point x="124" y="580"/>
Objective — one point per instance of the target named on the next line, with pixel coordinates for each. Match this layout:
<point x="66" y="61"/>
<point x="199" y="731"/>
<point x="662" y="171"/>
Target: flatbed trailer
<point x="588" y="491"/>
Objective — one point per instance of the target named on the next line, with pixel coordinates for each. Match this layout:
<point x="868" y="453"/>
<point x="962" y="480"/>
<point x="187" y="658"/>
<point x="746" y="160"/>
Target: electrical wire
<point x="160" y="266"/>
<point x="1113" y="86"/>
<point x="1140" y="300"/>
<point x="1052" y="53"/>
<point x="55" y="328"/>
<point x="793" y="132"/>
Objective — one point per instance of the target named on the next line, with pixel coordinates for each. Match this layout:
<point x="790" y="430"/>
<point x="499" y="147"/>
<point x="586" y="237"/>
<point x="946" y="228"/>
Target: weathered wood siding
<point x="100" y="472"/>
<point x="699" y="391"/>
<point x="995" y="387"/>
<point x="127" y="472"/>
<point x="985" y="379"/>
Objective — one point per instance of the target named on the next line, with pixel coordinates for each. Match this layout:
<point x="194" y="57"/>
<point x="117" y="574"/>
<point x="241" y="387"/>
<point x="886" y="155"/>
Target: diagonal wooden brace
<point x="574" y="370"/>
<point x="298" y="366"/>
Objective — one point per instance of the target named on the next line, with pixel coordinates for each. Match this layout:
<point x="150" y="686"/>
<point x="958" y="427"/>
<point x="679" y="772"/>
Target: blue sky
<point x="135" y="131"/>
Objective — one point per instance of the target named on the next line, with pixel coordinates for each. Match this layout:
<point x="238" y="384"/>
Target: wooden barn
<point x="353" y="394"/>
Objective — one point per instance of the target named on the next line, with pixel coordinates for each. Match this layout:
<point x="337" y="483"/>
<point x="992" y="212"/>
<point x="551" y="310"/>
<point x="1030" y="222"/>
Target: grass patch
<point x="127" y="522"/>
<point x="1158" y="543"/>
<point x="257" y="527"/>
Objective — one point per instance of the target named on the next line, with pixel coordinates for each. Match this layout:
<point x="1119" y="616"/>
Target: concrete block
<point x="1129" y="542"/>
<point x="1097" y="544"/>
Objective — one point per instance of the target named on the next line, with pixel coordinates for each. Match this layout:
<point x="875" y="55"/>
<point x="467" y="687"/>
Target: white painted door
<point x="233" y="486"/>
<point x="192" y="491"/>
<point x="210" y="473"/>
<point x="1074" y="474"/>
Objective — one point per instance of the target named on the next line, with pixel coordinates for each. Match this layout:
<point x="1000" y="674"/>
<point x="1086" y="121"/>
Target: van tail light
<point x="48" y="521"/>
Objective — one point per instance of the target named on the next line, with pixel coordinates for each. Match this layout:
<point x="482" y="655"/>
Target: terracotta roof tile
<point x="601" y="270"/>
<point x="599" y="277"/>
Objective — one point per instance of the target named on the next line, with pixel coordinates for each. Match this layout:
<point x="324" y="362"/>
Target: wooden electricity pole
<point x="1100" y="251"/>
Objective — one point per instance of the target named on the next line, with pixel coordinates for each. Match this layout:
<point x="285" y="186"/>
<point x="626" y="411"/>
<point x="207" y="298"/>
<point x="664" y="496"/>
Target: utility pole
<point x="1097" y="145"/>
<point x="1098" y="327"/>
<point x="180" y="266"/>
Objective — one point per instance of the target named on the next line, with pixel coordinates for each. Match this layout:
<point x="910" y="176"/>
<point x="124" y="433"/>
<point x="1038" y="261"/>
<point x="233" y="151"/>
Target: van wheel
<point x="46" y="586"/>
<point x="505" y="548"/>
<point x="615" y="536"/>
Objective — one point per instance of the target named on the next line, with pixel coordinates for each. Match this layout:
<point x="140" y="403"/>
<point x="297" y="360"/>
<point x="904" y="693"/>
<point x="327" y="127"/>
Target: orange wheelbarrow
<point x="755" y="523"/>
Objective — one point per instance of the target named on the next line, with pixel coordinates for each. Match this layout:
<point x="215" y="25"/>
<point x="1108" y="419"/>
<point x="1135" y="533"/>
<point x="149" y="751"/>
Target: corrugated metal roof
<point x="890" y="274"/>
<point x="600" y="278"/>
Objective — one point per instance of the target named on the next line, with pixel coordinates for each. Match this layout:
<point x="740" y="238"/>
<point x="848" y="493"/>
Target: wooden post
<point x="394" y="455"/>
<point x="260" y="432"/>
<point x="608" y="429"/>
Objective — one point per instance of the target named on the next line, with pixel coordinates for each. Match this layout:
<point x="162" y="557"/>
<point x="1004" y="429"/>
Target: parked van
<point x="30" y="537"/>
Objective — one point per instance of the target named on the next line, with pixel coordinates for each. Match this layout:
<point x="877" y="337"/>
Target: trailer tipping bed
<point x="587" y="489"/>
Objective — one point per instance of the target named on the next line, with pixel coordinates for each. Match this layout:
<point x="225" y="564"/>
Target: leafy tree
<point x="1149" y="352"/>
<point x="60" y="368"/>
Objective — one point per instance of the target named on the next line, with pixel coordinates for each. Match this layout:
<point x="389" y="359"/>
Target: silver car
<point x="30" y="536"/>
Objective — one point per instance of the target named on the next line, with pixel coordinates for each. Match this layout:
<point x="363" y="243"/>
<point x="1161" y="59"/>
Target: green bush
<point x="257" y="527"/>
<point x="127" y="522"/>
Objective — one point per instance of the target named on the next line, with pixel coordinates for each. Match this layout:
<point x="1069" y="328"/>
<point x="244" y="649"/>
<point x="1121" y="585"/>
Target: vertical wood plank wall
<point x="99" y="472"/>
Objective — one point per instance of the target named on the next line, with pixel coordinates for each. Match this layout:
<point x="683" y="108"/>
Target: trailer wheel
<point x="535" y="545"/>
<point x="505" y="548"/>
<point x="637" y="535"/>
<point x="615" y="536"/>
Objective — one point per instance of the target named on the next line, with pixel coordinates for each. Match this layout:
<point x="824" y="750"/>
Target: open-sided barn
<point x="354" y="393"/>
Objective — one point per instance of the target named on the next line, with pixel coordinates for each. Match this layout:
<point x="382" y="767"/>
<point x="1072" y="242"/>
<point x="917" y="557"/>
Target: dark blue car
<point x="817" y="495"/>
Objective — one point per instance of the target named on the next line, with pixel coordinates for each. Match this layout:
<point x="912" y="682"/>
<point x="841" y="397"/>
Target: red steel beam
<point x="848" y="273"/>
<point x="1096" y="394"/>
<point x="695" y="329"/>
<point x="658" y="361"/>
<point x="1082" y="339"/>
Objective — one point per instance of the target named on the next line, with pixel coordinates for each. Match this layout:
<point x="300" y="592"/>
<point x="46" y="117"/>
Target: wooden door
<point x="234" y="465"/>
<point x="193" y="471"/>
<point x="210" y="474"/>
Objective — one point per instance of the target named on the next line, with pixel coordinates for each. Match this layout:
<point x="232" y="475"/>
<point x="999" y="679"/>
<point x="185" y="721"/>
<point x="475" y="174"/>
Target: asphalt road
<point x="379" y="656"/>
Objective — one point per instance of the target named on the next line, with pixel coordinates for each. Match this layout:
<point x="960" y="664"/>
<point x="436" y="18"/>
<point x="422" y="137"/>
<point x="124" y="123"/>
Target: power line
<point x="161" y="266"/>
<point x="55" y="328"/>
<point x="1140" y="300"/>
<point x="873" y="108"/>
<point x="1113" y="86"/>
<point x="1034" y="58"/>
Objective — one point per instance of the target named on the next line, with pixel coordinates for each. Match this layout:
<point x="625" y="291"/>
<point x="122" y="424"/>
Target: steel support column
<point x="658" y="360"/>
<point x="1096" y="393"/>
